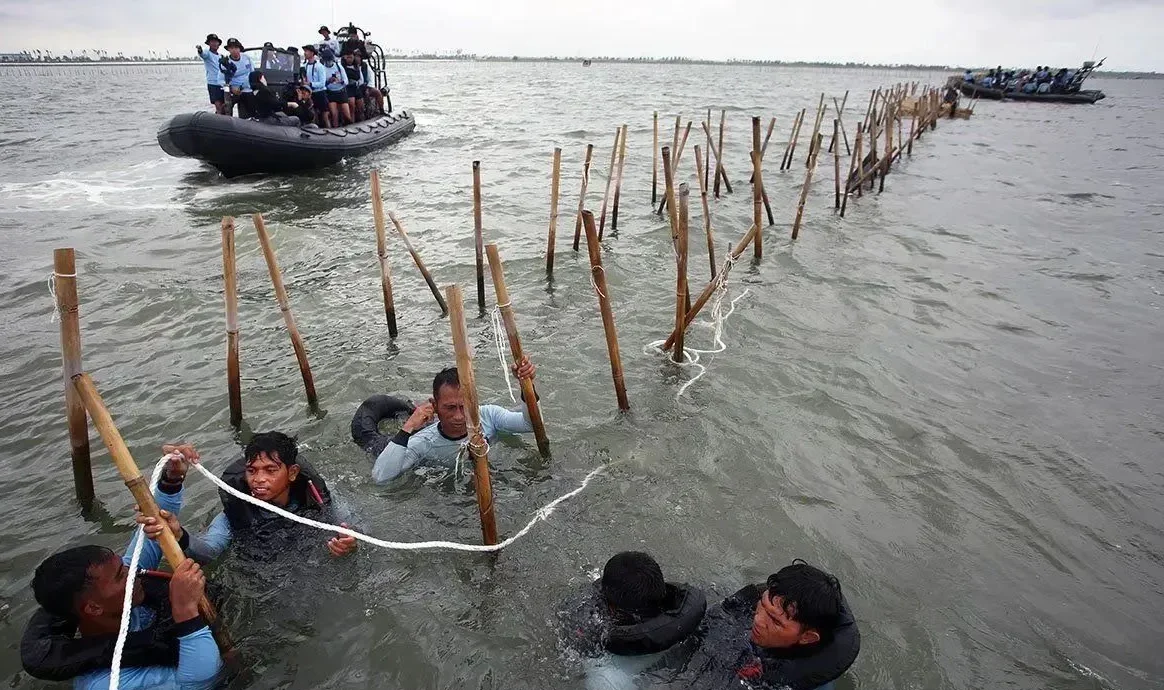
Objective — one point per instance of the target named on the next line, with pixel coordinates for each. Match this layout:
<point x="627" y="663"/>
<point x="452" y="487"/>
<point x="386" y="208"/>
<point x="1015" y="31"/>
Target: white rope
<point x="127" y="600"/>
<point x="715" y="322"/>
<point x="543" y="513"/>
<point x="499" y="341"/>
<point x="52" y="288"/>
<point x="594" y="284"/>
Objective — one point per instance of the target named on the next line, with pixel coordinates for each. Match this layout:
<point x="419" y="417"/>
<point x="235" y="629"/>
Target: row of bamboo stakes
<point x="885" y="112"/>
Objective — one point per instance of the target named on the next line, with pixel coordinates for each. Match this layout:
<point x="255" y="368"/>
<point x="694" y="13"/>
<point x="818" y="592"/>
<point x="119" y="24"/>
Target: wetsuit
<point x="429" y="446"/>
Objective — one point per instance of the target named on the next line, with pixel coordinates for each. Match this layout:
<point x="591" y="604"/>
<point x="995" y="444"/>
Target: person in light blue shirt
<point x="87" y="584"/>
<point x="315" y="74"/>
<point x="337" y="89"/>
<point x="239" y="67"/>
<point x="329" y="42"/>
<point x="214" y="82"/>
<point x="422" y="442"/>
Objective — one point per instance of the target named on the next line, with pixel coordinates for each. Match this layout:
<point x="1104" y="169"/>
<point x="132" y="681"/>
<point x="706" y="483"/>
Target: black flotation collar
<point x="366" y="421"/>
<point x="682" y="613"/>
<point x="242" y="514"/>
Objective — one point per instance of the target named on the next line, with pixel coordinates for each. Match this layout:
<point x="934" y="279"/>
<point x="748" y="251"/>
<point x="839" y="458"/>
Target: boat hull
<point x="977" y="91"/>
<point x="240" y="147"/>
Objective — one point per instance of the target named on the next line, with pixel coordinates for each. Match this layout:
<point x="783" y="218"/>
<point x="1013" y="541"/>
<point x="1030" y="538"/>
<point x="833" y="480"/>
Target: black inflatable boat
<point x="239" y="147"/>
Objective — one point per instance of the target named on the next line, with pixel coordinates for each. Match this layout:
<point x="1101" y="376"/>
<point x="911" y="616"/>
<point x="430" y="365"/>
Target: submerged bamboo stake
<point x="655" y="161"/>
<point x="419" y="264"/>
<point x="837" y="165"/>
<point x="788" y="146"/>
<point x="814" y="143"/>
<point x="230" y="280"/>
<point x="701" y="174"/>
<point x="582" y="195"/>
<point x="720" y="172"/>
<point x="707" y="152"/>
<point x="669" y="193"/>
<point x="618" y="180"/>
<point x="140" y="488"/>
<point x="478" y="448"/>
<point x="764" y="148"/>
<point x="478" y="238"/>
<point x="853" y="167"/>
<point x="528" y="395"/>
<point x="284" y="306"/>
<point x="790" y="154"/>
<point x="382" y="252"/>
<point x="65" y="285"/>
<point x="813" y="151"/>
<point x="757" y="187"/>
<point x="841" y="118"/>
<point x="681" y="293"/>
<point x="553" y="233"/>
<point x="598" y="277"/>
<point x="887" y="161"/>
<point x="705" y="296"/>
<point x="609" y="180"/>
<point x="676" y="156"/>
<point x="912" y="131"/>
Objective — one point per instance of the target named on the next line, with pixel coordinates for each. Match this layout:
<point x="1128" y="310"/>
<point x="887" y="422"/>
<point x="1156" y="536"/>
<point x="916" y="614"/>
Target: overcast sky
<point x="955" y="32"/>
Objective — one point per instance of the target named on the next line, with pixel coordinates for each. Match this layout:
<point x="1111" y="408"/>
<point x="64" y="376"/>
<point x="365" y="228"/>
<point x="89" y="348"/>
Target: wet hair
<point x="810" y="596"/>
<point x="272" y="443"/>
<point x="63" y="577"/>
<point x="633" y="582"/>
<point x="445" y="377"/>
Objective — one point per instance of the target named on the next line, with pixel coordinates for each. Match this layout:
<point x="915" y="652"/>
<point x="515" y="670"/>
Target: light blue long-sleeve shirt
<point x="213" y="542"/>
<point x="336" y="69"/>
<point x="213" y="69"/>
<point x="198" y="660"/>
<point x="429" y="446"/>
<point x="316" y="75"/>
<point x="242" y="73"/>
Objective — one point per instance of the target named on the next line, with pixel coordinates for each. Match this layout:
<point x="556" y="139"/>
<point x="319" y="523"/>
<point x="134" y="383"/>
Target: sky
<point x="945" y="32"/>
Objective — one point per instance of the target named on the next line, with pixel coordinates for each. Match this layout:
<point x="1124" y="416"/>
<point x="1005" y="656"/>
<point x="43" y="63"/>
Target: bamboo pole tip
<point x="476" y="164"/>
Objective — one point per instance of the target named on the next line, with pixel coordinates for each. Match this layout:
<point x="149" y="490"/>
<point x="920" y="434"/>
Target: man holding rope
<point x="420" y="442"/>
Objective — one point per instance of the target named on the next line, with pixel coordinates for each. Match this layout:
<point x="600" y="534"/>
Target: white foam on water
<point x="132" y="188"/>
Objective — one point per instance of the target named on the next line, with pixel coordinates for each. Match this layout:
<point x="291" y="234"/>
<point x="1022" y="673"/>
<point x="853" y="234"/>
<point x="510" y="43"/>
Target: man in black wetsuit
<point x="795" y="631"/>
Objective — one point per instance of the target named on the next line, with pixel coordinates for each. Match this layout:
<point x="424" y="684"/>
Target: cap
<point x="327" y="54"/>
<point x="324" y="28"/>
<point x="231" y="42"/>
<point x="311" y="48"/>
<point x="212" y="37"/>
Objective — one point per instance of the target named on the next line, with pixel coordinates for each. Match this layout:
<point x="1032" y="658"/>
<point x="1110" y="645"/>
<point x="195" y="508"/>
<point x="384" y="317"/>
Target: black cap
<point x="231" y="42"/>
<point x="310" y="47"/>
<point x="212" y="37"/>
<point x="324" y="28"/>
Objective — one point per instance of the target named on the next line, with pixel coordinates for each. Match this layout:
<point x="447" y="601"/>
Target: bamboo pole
<point x="888" y="159"/>
<point x="382" y="252"/>
<point x="230" y="281"/>
<point x="598" y="276"/>
<point x="582" y="195"/>
<point x="841" y="118"/>
<point x="788" y="146"/>
<point x="757" y="188"/>
<point x="701" y="174"/>
<point x="139" y="487"/>
<point x="618" y="180"/>
<point x="837" y="165"/>
<point x="712" y="285"/>
<point x="675" y="137"/>
<point x="720" y="172"/>
<point x="681" y="294"/>
<point x="669" y="193"/>
<point x="528" y="395"/>
<point x="813" y="144"/>
<point x="655" y="161"/>
<point x="813" y="152"/>
<point x="432" y="286"/>
<point x="609" y="180"/>
<point x="284" y="306"/>
<point x="553" y="233"/>
<point x="478" y="238"/>
<point x="478" y="448"/>
<point x="65" y="286"/>
<point x="912" y="131"/>
<point x="707" y="152"/>
<point x="853" y="165"/>
<point x="767" y="137"/>
<point x="791" y="153"/>
<point x="676" y="156"/>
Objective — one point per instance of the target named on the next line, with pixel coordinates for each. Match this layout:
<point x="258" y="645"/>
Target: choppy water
<point x="951" y="399"/>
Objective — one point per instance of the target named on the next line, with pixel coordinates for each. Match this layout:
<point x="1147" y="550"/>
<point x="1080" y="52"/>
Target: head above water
<point x="448" y="403"/>
<point x="632" y="583"/>
<point x="271" y="466"/>
<point x="801" y="606"/>
<point x="86" y="584"/>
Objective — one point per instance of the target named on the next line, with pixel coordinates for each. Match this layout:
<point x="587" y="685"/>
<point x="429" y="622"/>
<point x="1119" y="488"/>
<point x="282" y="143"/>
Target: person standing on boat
<point x="337" y="89"/>
<point x="214" y="79"/>
<point x="315" y="74"/>
<point x="421" y="442"/>
<point x="369" y="90"/>
<point x="355" y="86"/>
<point x="240" y="79"/>
<point x="329" y="41"/>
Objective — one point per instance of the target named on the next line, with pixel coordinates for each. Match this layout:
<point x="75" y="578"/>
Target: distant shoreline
<point x="594" y="61"/>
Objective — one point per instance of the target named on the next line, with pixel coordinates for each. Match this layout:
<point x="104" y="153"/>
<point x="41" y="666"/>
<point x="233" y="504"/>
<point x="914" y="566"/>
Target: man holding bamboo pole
<point x="85" y="586"/>
<point x="420" y="441"/>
